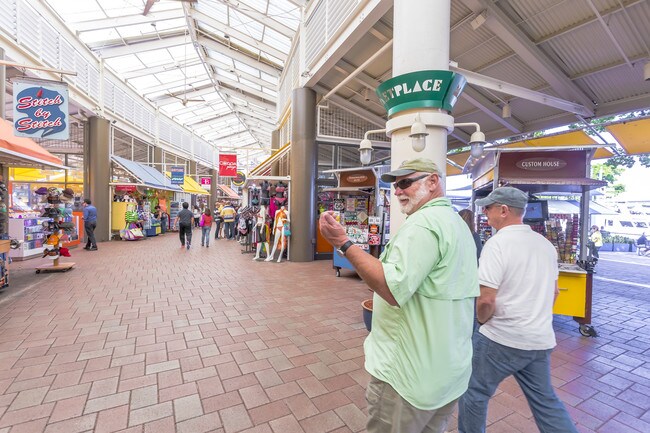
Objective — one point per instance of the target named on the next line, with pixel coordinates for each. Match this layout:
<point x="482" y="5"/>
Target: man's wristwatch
<point x="343" y="248"/>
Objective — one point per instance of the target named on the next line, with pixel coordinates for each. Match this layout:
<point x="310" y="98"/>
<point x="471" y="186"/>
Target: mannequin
<point x="262" y="232"/>
<point x="281" y="219"/>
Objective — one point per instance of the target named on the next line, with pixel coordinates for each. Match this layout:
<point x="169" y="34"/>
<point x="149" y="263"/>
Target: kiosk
<point x="544" y="172"/>
<point x="363" y="207"/>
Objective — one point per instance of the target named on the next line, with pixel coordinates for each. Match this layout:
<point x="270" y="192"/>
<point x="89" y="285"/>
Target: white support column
<point x="420" y="42"/>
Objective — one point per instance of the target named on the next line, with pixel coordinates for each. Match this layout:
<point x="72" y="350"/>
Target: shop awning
<point x="190" y="185"/>
<point x="633" y="136"/>
<point x="228" y="192"/>
<point x="148" y="176"/>
<point x="265" y="166"/>
<point x="24" y="152"/>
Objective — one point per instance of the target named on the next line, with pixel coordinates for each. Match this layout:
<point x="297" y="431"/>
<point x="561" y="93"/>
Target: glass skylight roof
<point x="167" y="68"/>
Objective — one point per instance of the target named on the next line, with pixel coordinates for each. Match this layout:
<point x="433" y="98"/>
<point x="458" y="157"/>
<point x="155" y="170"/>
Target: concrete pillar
<point x="275" y="145"/>
<point x="4" y="170"/>
<point x="303" y="175"/>
<point x="158" y="159"/>
<point x="421" y="42"/>
<point x="192" y="169"/>
<point x="213" y="187"/>
<point x="98" y="173"/>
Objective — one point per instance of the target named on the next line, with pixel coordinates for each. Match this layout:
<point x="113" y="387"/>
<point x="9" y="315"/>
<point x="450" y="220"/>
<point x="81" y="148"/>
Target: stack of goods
<point x="132" y="231"/>
<point x="56" y="228"/>
<point x="565" y="240"/>
<point x="352" y="212"/>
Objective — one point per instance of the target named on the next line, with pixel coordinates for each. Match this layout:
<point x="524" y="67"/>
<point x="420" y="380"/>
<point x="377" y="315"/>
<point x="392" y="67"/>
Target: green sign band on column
<point x="421" y="89"/>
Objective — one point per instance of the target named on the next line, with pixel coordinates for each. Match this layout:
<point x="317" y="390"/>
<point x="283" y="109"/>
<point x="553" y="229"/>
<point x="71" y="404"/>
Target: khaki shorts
<point x="388" y="412"/>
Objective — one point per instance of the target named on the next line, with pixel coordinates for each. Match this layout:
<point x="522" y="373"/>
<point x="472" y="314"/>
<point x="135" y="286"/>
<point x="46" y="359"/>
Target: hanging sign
<point x="206" y="182"/>
<point x="41" y="109"/>
<point x="177" y="174"/>
<point x="561" y="164"/>
<point x="421" y="89"/>
<point x="239" y="179"/>
<point x="125" y="188"/>
<point x="227" y="164"/>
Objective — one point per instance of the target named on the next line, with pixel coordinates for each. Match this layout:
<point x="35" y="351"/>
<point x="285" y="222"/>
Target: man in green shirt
<point x="419" y="352"/>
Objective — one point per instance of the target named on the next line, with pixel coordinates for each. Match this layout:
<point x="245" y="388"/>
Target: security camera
<point x="366" y="94"/>
<point x="646" y="71"/>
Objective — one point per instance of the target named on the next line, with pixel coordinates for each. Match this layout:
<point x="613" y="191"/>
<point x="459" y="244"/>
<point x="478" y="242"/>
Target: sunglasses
<point x="406" y="183"/>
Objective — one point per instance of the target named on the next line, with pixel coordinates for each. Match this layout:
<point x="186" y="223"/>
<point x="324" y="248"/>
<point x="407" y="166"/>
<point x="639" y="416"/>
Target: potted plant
<point x="367" y="313"/>
<point x="608" y="245"/>
<point x="622" y="244"/>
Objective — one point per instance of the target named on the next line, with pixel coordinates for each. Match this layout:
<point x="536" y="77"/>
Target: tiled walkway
<point x="146" y="337"/>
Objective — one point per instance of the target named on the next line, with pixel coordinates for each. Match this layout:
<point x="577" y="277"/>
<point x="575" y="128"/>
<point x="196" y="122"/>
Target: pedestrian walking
<point x="518" y="275"/>
<point x="206" y="226"/>
<point x="90" y="223"/>
<point x="183" y="221"/>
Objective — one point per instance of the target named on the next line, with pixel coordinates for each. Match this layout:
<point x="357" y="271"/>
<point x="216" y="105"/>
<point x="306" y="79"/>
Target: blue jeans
<point x="205" y="235"/>
<point x="493" y="362"/>
<point x="229" y="230"/>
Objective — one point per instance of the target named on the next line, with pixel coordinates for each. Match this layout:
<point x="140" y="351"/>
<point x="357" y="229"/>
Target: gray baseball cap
<point x="507" y="195"/>
<point x="423" y="165"/>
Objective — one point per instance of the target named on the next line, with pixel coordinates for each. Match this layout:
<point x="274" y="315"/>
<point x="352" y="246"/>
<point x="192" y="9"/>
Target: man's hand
<point x="331" y="230"/>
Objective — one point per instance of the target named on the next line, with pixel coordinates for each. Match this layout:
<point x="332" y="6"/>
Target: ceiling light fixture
<point x="506" y="111"/>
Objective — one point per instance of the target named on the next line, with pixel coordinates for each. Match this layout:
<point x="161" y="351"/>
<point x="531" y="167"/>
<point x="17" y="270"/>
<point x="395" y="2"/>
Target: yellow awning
<point x="193" y="187"/>
<point x="266" y="164"/>
<point x="633" y="136"/>
<point x="190" y="185"/>
<point x="566" y="139"/>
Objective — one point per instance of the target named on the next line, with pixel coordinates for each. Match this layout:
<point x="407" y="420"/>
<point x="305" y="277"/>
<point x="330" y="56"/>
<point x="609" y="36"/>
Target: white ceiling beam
<point x="140" y="47"/>
<point x="234" y="33"/>
<point x="197" y="106"/>
<point x="158" y="69"/>
<point x="256" y="113"/>
<point x="248" y="98"/>
<point x="241" y="74"/>
<point x="182" y="82"/>
<point x="362" y="19"/>
<point x="246" y="89"/>
<point x="208" y="128"/>
<point x="247" y="118"/>
<point x="126" y="20"/>
<point x="197" y="124"/>
<point x="239" y="56"/>
<point x="165" y="100"/>
<point x="251" y="12"/>
<point x="475" y="98"/>
<point x="503" y="27"/>
<point x="522" y="92"/>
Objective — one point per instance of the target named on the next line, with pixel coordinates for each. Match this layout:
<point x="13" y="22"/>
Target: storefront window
<point x="76" y="172"/>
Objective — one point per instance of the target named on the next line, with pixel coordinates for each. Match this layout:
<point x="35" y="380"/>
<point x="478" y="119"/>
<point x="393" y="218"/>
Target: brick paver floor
<point x="146" y="337"/>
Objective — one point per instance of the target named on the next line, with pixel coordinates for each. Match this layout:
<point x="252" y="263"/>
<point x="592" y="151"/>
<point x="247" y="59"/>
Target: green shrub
<point x="617" y="239"/>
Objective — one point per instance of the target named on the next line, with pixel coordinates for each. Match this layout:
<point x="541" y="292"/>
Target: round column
<point x="421" y="43"/>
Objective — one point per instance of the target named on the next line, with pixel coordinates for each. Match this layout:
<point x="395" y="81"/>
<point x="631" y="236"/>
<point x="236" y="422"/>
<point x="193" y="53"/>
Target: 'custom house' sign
<point x="41" y="109"/>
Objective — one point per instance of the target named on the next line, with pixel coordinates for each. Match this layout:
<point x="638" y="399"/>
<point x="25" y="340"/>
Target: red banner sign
<point x="125" y="188"/>
<point x="228" y="165"/>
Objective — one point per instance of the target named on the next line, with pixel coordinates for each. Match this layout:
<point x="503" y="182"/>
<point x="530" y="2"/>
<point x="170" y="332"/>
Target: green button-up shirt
<point x="423" y="348"/>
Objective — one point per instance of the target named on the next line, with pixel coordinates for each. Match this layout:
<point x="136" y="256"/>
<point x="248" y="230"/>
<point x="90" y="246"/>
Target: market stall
<point x="541" y="173"/>
<point x="362" y="205"/>
<point x="139" y="188"/>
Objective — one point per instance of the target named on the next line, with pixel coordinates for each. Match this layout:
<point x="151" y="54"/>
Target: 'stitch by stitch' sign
<point x="41" y="109"/>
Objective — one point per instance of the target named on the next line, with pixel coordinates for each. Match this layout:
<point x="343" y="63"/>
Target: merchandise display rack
<point x="55" y="228"/>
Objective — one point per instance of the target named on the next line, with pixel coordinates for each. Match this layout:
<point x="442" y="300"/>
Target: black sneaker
<point x="92" y="249"/>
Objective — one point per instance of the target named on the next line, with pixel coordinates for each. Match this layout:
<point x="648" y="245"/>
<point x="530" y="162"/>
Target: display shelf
<point x="30" y="231"/>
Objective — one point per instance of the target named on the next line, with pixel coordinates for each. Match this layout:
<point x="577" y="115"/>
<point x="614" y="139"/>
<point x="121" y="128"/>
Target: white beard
<point x="413" y="201"/>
